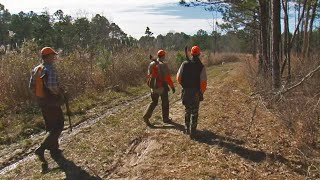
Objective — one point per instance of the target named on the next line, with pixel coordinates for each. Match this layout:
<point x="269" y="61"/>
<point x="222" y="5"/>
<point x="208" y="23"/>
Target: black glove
<point x="173" y="89"/>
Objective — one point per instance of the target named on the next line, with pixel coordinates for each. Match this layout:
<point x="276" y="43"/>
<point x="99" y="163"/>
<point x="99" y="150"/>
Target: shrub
<point x="79" y="72"/>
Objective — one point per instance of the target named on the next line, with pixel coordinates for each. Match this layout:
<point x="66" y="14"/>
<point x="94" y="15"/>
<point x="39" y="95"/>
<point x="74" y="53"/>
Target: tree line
<point x="96" y="50"/>
<point x="62" y="31"/>
<point x="232" y="41"/>
<point x="59" y="30"/>
<point x="263" y="20"/>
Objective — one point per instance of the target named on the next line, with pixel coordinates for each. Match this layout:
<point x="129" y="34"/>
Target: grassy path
<point x="237" y="138"/>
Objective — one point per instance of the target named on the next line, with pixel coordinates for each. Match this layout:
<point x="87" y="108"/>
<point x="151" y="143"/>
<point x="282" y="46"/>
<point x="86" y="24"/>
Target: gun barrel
<point x="151" y="58"/>
<point x="186" y="52"/>
<point x="70" y="125"/>
<point x="68" y="110"/>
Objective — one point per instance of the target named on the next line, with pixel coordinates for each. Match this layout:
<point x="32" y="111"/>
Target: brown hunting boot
<point x="40" y="153"/>
<point x="56" y="154"/>
<point x="168" y="121"/>
<point x="146" y="120"/>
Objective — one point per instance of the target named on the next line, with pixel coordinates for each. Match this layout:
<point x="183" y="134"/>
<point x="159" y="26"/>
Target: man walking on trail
<point x="44" y="84"/>
<point x="160" y="71"/>
<point x="193" y="79"/>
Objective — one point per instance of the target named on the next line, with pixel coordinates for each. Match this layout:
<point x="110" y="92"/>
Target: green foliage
<point x="238" y="16"/>
<point x="235" y="42"/>
<point x="82" y="35"/>
<point x="103" y="60"/>
<point x="43" y="32"/>
<point x="5" y="17"/>
<point x="60" y="31"/>
<point x="180" y="58"/>
<point x="202" y="39"/>
<point x="70" y="34"/>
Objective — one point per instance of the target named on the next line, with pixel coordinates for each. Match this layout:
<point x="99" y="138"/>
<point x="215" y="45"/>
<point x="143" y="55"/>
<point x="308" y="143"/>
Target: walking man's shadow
<point x="236" y="146"/>
<point x="171" y="125"/>
<point x="73" y="171"/>
<point x="231" y="144"/>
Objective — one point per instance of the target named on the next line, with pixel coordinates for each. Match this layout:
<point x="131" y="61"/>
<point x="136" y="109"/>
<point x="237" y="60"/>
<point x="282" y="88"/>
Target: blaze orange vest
<point x="39" y="82"/>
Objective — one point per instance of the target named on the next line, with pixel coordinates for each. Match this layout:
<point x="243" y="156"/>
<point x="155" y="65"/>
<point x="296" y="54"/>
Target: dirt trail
<point x="237" y="138"/>
<point x="17" y="153"/>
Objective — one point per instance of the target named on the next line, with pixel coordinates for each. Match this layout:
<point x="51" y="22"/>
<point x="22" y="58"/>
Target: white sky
<point x="133" y="16"/>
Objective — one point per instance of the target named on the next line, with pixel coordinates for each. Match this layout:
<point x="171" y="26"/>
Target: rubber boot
<point x="193" y="126"/>
<point x="56" y="154"/>
<point x="146" y="120"/>
<point x="187" y="123"/>
<point x="40" y="153"/>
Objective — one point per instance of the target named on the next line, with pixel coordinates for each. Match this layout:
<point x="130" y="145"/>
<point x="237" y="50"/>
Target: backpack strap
<point x="159" y="75"/>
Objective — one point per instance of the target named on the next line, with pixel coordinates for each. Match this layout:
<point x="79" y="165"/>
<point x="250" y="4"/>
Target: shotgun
<point x="152" y="59"/>
<point x="186" y="52"/>
<point x="66" y="101"/>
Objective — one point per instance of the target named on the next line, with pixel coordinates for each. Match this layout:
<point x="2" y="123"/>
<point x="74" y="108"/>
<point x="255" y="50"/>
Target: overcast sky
<point x="133" y="16"/>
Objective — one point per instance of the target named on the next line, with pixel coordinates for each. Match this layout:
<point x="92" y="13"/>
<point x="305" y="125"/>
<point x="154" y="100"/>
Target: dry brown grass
<point x="83" y="75"/>
<point x="121" y="147"/>
<point x="79" y="73"/>
<point x="298" y="109"/>
<point x="210" y="59"/>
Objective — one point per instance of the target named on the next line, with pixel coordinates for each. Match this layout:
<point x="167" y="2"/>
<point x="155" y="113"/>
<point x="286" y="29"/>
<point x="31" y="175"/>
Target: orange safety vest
<point x="153" y="78"/>
<point x="39" y="85"/>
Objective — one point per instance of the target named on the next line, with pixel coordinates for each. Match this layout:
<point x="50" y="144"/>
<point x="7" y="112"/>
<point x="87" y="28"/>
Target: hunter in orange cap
<point x="159" y="70"/>
<point x="44" y="83"/>
<point x="47" y="50"/>
<point x="195" y="51"/>
<point x="193" y="78"/>
<point x="161" y="53"/>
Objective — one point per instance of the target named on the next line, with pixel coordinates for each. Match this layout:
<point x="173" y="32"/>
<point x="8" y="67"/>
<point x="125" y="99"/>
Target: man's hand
<point x="201" y="96"/>
<point x="173" y="89"/>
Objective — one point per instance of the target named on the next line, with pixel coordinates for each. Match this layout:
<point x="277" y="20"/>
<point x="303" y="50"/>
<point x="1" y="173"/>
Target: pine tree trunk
<point x="305" y="31"/>
<point x="285" y="35"/>
<point x="313" y="15"/>
<point x="294" y="36"/>
<point x="276" y="36"/>
<point x="298" y="32"/>
<point x="264" y="21"/>
<point x="254" y="49"/>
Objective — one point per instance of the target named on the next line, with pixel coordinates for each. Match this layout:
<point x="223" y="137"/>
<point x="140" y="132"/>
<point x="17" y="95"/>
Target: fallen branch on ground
<point x="115" y="87"/>
<point x="252" y="118"/>
<point x="308" y="76"/>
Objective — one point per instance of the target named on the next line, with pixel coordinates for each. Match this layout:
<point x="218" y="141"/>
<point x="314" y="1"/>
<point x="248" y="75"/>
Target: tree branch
<point x="299" y="21"/>
<point x="309" y="75"/>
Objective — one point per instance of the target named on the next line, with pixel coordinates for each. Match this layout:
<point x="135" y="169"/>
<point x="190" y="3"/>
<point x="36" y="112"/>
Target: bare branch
<point x="309" y="75"/>
<point x="299" y="21"/>
<point x="315" y="107"/>
<point x="252" y="117"/>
